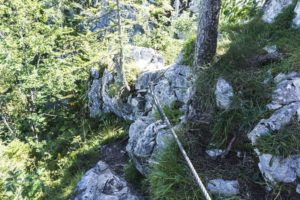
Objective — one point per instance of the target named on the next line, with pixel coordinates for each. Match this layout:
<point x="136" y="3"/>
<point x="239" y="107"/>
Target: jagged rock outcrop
<point x="286" y="103"/>
<point x="286" y="106"/>
<point x="224" y="93"/>
<point x="101" y="183"/>
<point x="223" y="187"/>
<point x="171" y="85"/>
<point x="100" y="99"/>
<point x="107" y="14"/>
<point x="147" y="135"/>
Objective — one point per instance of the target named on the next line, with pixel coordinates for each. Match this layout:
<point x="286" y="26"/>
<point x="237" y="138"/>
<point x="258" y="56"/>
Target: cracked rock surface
<point x="286" y="106"/>
<point x="101" y="183"/>
<point x="171" y="85"/>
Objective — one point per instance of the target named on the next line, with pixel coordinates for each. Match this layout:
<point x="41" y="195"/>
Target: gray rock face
<point x="147" y="137"/>
<point x="223" y="187"/>
<point x="101" y="183"/>
<point x="286" y="103"/>
<point x="100" y="99"/>
<point x="107" y="14"/>
<point x="171" y="85"/>
<point x="277" y="169"/>
<point x="224" y="93"/>
<point x="277" y="121"/>
<point x="145" y="59"/>
<point x="296" y="20"/>
<point x="273" y="8"/>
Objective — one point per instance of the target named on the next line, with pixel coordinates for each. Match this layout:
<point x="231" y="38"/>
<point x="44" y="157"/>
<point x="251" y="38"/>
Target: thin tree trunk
<point x="8" y="127"/>
<point x="207" y="32"/>
<point x="120" y="63"/>
<point x="176" y="5"/>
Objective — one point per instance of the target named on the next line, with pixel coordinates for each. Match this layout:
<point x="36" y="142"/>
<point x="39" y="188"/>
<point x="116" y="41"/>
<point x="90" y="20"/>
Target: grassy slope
<point x="238" y="44"/>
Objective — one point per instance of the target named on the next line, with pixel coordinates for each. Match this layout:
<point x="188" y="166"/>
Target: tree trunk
<point x="120" y="64"/>
<point x="177" y="6"/>
<point x="207" y="32"/>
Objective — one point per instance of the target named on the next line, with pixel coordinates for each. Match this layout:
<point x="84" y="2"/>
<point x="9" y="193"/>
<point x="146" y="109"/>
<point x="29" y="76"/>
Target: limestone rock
<point x="278" y="169"/>
<point x="296" y="20"/>
<point x="224" y="93"/>
<point x="223" y="187"/>
<point x="273" y="8"/>
<point x="101" y="183"/>
<point x="214" y="152"/>
<point x="278" y="120"/>
<point x="287" y="92"/>
<point x="286" y="103"/>
<point x="146" y="59"/>
<point x="147" y="137"/>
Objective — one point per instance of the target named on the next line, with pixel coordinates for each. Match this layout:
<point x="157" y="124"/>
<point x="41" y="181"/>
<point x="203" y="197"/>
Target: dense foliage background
<point x="47" y="48"/>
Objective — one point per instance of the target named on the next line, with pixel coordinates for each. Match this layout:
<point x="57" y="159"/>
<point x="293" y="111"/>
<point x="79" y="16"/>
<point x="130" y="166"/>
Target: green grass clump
<point x="188" y="51"/>
<point x="284" y="142"/>
<point x="170" y="178"/>
<point x="131" y="173"/>
<point x="173" y="113"/>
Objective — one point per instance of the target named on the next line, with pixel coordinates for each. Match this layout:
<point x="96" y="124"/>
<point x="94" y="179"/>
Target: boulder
<point x="147" y="137"/>
<point x="224" y="93"/>
<point x="272" y="8"/>
<point x="101" y="183"/>
<point x="223" y="187"/>
<point x="278" y="169"/>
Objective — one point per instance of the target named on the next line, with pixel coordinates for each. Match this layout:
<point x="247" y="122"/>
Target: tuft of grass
<point x="173" y="113"/>
<point x="113" y="90"/>
<point x="132" y="175"/>
<point x="284" y="142"/>
<point x="188" y="51"/>
<point x="170" y="178"/>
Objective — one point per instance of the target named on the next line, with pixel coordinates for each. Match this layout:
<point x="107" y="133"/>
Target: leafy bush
<point x="234" y="11"/>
